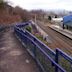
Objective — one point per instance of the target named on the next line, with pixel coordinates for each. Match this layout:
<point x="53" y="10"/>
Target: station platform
<point x="65" y="32"/>
<point x="13" y="55"/>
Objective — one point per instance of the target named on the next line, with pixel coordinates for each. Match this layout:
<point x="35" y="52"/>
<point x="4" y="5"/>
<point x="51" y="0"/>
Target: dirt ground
<point x="13" y="56"/>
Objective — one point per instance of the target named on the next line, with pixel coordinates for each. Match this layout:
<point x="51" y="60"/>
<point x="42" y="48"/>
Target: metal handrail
<point x="55" y="64"/>
<point x="35" y="41"/>
<point x="63" y="54"/>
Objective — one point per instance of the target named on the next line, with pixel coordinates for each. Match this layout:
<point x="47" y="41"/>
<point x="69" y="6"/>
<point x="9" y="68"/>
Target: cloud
<point x="43" y="4"/>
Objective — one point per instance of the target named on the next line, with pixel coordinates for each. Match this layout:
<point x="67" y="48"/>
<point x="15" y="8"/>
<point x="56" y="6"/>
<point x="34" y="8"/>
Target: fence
<point x="64" y="60"/>
<point x="47" y="59"/>
<point x="1" y="27"/>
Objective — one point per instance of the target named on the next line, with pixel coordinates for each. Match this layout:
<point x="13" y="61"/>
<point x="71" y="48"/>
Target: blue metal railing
<point x="41" y="44"/>
<point x="44" y="56"/>
<point x="33" y="52"/>
<point x="1" y="27"/>
<point x="64" y="60"/>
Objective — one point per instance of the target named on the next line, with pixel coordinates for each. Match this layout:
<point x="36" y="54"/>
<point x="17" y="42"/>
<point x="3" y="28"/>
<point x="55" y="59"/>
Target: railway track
<point x="58" y="40"/>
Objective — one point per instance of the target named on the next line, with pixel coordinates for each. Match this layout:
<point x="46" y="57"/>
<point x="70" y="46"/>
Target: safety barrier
<point x="47" y="59"/>
<point x="64" y="60"/>
<point x="2" y="28"/>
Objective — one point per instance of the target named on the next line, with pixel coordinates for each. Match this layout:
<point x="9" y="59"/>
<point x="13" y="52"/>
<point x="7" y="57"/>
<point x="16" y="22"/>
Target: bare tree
<point x="24" y="14"/>
<point x="3" y="3"/>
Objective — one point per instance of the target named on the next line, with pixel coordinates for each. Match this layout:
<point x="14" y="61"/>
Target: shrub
<point x="29" y="28"/>
<point x="49" y="18"/>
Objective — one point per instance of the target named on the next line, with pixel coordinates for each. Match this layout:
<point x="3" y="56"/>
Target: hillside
<point x="7" y="16"/>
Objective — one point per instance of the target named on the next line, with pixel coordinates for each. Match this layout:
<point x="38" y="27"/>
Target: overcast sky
<point x="43" y="4"/>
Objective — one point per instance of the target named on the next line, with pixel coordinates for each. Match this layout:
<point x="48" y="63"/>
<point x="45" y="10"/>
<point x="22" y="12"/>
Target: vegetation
<point x="37" y="34"/>
<point x="9" y="14"/>
<point x="24" y="14"/>
<point x="3" y="3"/>
<point x="29" y="28"/>
<point x="49" y="18"/>
<point x="41" y="38"/>
<point x="13" y="15"/>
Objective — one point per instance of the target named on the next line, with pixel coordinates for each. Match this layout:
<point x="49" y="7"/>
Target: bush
<point x="3" y="3"/>
<point x="49" y="18"/>
<point x="29" y="28"/>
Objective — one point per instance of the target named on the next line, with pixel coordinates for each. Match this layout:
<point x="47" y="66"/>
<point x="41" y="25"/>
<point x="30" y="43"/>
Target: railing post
<point x="34" y="50"/>
<point x="56" y="59"/>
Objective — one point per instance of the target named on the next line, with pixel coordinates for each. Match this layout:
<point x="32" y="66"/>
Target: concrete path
<point x="13" y="56"/>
